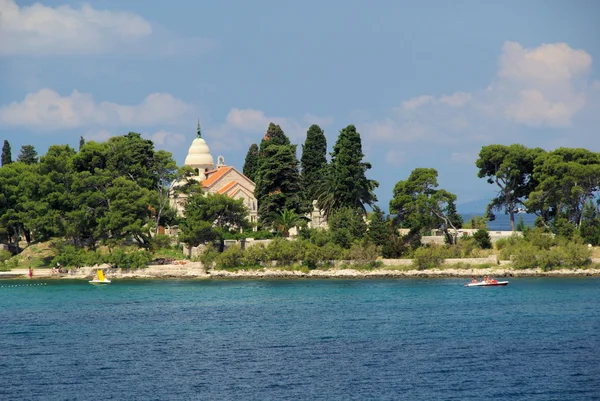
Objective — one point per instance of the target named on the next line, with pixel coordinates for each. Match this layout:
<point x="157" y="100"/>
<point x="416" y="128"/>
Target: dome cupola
<point x="199" y="156"/>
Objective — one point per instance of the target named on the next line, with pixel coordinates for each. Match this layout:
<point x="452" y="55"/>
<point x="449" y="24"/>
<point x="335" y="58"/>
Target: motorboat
<point x="99" y="278"/>
<point x="491" y="283"/>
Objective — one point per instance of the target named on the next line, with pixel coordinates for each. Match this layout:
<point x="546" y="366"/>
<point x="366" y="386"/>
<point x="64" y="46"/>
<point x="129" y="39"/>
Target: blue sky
<point x="427" y="83"/>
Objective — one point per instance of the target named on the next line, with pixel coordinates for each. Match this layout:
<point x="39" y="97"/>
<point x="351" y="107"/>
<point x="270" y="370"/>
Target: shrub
<point x="160" y="241"/>
<point x="128" y="258"/>
<point x="208" y="256"/>
<point x="285" y="252"/>
<point x="428" y="257"/>
<point x="255" y="255"/>
<point x="503" y="243"/>
<point x="232" y="257"/>
<point x="482" y="238"/>
<point x="4" y="256"/>
<point x="524" y="256"/>
<point x="363" y="252"/>
<point x="539" y="237"/>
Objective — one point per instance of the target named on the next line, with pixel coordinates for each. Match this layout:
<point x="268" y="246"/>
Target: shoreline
<point x="195" y="270"/>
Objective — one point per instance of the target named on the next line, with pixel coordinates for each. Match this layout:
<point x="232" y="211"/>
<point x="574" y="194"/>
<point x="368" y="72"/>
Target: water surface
<point x="538" y="338"/>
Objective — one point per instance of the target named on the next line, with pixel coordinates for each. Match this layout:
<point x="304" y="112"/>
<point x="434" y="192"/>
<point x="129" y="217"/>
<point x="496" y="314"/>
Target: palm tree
<point x="286" y="219"/>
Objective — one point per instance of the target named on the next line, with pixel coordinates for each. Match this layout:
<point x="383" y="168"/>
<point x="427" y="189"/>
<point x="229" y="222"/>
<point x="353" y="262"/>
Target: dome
<point x="199" y="155"/>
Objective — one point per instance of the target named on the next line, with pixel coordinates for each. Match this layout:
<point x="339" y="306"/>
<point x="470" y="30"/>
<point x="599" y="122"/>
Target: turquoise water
<point x="536" y="339"/>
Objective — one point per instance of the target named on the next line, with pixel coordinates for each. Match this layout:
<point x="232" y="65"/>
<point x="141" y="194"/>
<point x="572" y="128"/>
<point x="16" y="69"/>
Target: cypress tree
<point x="346" y="184"/>
<point x="28" y="155"/>
<point x="6" y="153"/>
<point x="313" y="161"/>
<point x="251" y="162"/>
<point x="81" y="142"/>
<point x="277" y="177"/>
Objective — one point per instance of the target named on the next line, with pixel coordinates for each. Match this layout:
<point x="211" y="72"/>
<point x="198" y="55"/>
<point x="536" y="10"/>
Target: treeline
<point x="561" y="187"/>
<point x="120" y="190"/>
<point x="103" y="193"/>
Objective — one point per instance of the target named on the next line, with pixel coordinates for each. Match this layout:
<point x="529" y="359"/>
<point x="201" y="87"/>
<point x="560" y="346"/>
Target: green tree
<point x="168" y="184"/>
<point x="81" y="142"/>
<point x="347" y="225"/>
<point x="285" y="220"/>
<point x="378" y="229"/>
<point x="511" y="169"/>
<point x="345" y="183"/>
<point x="127" y="214"/>
<point x="313" y="161"/>
<point x="251" y="162"/>
<point x="219" y="212"/>
<point x="567" y="180"/>
<point x="419" y="205"/>
<point x="28" y="155"/>
<point x="590" y="224"/>
<point x="482" y="237"/>
<point x="6" y="153"/>
<point x="133" y="157"/>
<point x="277" y="178"/>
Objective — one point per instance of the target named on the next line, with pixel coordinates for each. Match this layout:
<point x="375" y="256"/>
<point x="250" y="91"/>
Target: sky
<point x="426" y="83"/>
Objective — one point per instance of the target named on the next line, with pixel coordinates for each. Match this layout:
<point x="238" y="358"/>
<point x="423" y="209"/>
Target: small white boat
<point x="99" y="278"/>
<point x="493" y="283"/>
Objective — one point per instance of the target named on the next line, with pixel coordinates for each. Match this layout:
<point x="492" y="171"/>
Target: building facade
<point x="220" y="178"/>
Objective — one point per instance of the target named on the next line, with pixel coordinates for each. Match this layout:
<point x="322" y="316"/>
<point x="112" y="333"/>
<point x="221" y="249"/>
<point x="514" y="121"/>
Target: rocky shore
<point x="195" y="270"/>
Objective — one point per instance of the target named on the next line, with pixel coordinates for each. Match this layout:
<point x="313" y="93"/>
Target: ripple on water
<point x="305" y="339"/>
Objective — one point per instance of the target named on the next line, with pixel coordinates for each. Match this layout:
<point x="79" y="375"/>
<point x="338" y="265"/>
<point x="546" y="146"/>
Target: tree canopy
<point x="345" y="183"/>
<point x="208" y="217"/>
<point x="251" y="162"/>
<point x="6" y="153"/>
<point x="511" y="169"/>
<point x="313" y="162"/>
<point x="419" y="204"/>
<point x="277" y="178"/>
<point x="28" y="155"/>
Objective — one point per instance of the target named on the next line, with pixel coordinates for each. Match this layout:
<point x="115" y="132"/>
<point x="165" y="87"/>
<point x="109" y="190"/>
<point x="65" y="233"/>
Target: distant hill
<point x="476" y="207"/>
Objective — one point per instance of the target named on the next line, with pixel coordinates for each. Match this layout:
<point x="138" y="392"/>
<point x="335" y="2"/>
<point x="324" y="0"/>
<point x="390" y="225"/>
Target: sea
<point x="502" y="221"/>
<point x="373" y="339"/>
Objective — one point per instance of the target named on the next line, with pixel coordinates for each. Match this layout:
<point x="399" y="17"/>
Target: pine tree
<point x="277" y="177"/>
<point x="81" y="142"/>
<point x="378" y="229"/>
<point x="345" y="184"/>
<point x="251" y="162"/>
<point x="313" y="161"/>
<point x="6" y="153"/>
<point x="28" y="155"/>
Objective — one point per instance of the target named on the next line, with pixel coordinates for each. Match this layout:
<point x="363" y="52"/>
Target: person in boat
<point x="493" y="280"/>
<point x="95" y="277"/>
<point x="486" y="279"/>
<point x="474" y="281"/>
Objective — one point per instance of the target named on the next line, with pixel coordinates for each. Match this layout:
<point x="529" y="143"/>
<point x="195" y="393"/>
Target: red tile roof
<point x="227" y="187"/>
<point x="214" y="175"/>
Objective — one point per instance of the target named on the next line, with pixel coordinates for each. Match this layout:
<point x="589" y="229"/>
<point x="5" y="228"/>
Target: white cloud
<point x="97" y="136"/>
<point x="457" y="99"/>
<point x="547" y="64"/>
<point x="168" y="140"/>
<point x="542" y="86"/>
<point x="40" y="30"/>
<point x="417" y="102"/>
<point x="47" y="110"/>
<point x="247" y="119"/>
<point x="256" y="122"/>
